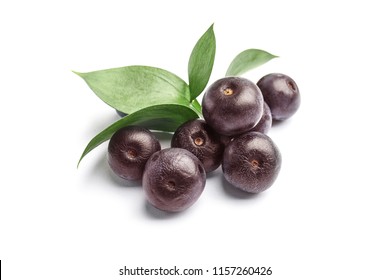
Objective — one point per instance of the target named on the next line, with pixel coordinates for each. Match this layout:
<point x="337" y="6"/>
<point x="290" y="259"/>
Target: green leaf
<point x="164" y="117"/>
<point x="248" y="60"/>
<point x="197" y="107"/>
<point x="201" y="63"/>
<point x="129" y="89"/>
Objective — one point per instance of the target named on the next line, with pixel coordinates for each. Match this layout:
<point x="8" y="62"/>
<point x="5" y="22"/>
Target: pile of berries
<point x="237" y="116"/>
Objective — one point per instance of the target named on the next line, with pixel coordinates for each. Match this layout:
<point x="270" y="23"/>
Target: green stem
<point x="197" y="107"/>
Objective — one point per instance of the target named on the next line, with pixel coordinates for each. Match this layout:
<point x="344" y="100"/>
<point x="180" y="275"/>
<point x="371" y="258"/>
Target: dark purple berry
<point x="129" y="149"/>
<point x="251" y="162"/>
<point x="225" y="139"/>
<point x="262" y="126"/>
<point x="265" y="122"/>
<point x="199" y="138"/>
<point x="282" y="95"/>
<point x="173" y="179"/>
<point x="232" y="105"/>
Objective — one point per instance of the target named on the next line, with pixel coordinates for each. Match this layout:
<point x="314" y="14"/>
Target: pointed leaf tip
<point x="201" y="62"/>
<point x="248" y="60"/>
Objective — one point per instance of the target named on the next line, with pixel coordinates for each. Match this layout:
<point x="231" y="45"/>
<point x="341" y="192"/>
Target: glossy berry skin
<point x="282" y="95"/>
<point x="173" y="179"/>
<point x="200" y="139"/>
<point x="263" y="126"/>
<point x="265" y="123"/>
<point x="232" y="105"/>
<point x="251" y="162"/>
<point x="129" y="149"/>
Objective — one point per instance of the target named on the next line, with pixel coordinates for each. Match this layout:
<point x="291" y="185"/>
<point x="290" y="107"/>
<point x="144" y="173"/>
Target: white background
<point x="326" y="217"/>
